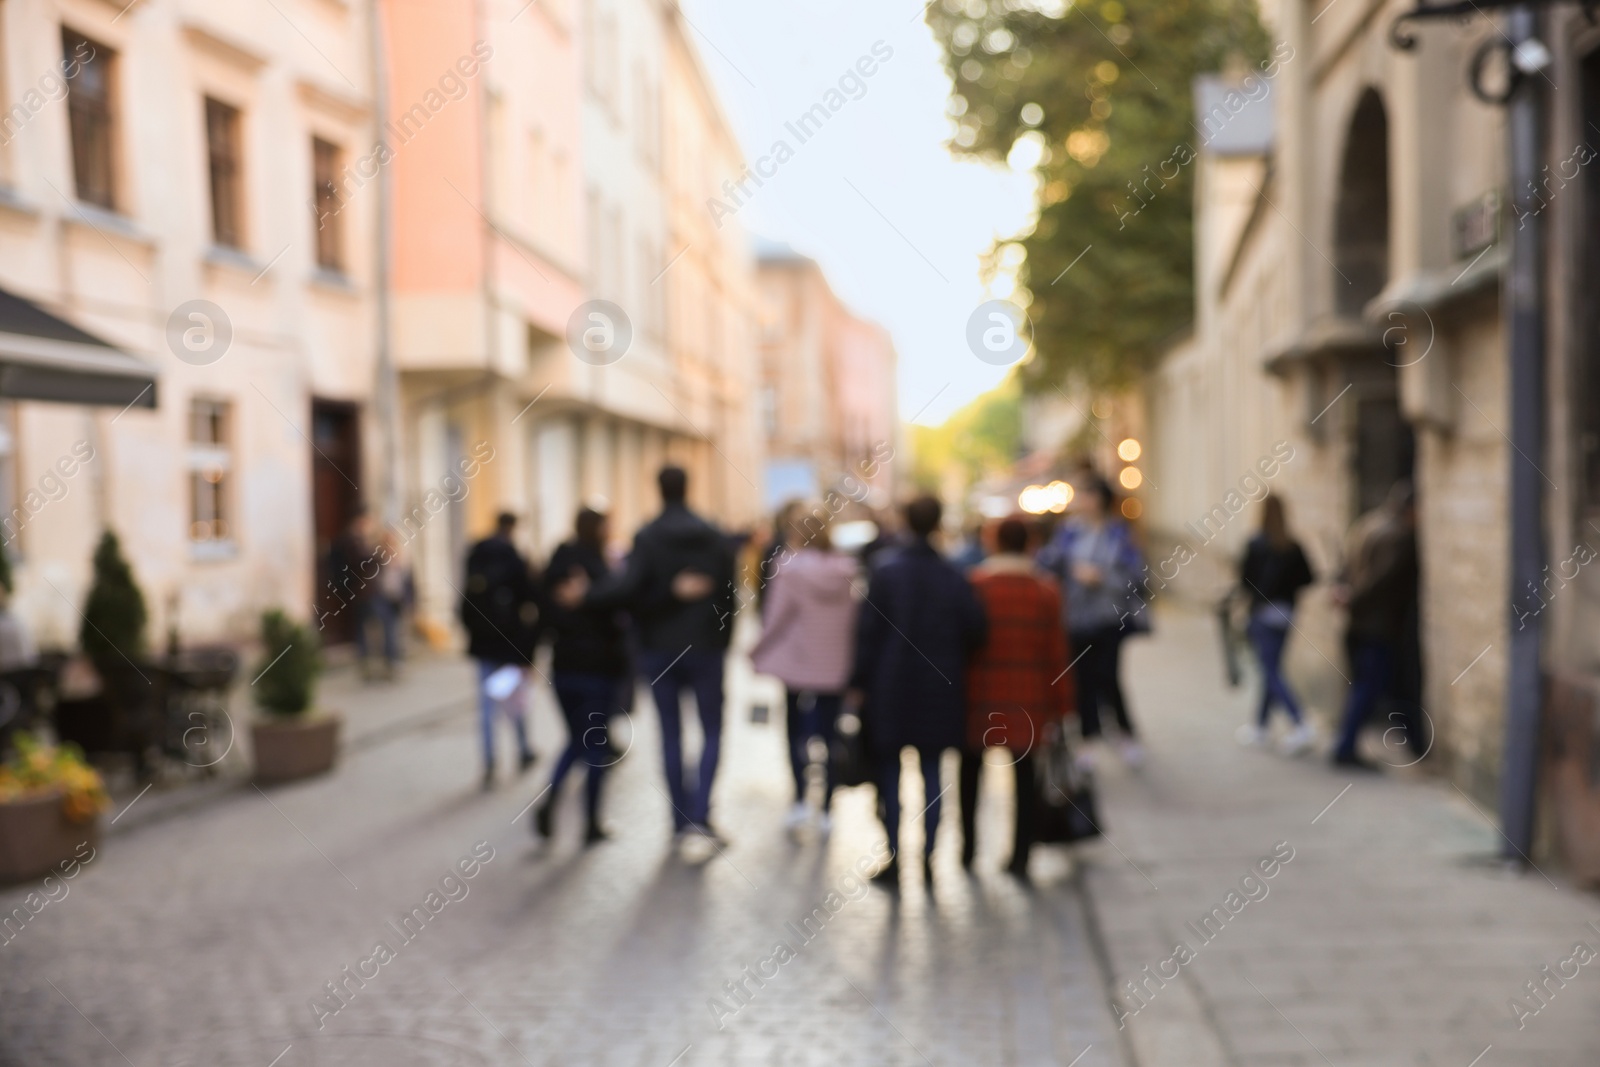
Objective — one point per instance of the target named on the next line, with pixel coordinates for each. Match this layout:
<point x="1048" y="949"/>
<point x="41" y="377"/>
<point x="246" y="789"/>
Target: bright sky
<point x="896" y="222"/>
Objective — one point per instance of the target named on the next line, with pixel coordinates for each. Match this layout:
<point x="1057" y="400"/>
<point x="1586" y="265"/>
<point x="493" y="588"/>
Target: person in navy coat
<point x="919" y="624"/>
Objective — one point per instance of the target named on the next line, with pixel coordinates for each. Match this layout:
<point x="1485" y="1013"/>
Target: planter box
<point x="291" y="748"/>
<point x="35" y="837"/>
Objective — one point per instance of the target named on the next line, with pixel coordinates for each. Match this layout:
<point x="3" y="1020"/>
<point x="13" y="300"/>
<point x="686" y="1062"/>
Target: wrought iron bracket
<point x="1402" y="36"/>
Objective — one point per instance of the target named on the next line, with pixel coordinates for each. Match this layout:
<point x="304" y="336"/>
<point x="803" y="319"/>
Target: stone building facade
<point x="1351" y="257"/>
<point x="164" y="186"/>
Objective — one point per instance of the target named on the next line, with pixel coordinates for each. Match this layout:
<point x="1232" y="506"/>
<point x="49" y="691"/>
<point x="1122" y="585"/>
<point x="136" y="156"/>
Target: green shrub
<point x="290" y="663"/>
<point x="114" y="618"/>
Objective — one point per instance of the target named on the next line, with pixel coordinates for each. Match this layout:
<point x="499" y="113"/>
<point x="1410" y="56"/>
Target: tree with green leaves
<point x="1102" y="92"/>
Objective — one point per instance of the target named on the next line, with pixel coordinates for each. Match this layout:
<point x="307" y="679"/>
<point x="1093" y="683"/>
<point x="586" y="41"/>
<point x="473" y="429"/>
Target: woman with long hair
<point x="1271" y="574"/>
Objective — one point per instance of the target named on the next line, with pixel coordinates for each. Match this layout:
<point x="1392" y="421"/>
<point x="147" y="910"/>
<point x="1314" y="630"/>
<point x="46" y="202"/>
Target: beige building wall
<point x="711" y="297"/>
<point x="294" y="70"/>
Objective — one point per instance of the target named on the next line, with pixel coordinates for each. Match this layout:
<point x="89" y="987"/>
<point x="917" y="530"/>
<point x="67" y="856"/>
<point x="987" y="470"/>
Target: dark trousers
<point x="384" y="613"/>
<point x="1372" y="667"/>
<point x="587" y="703"/>
<point x="1268" y="643"/>
<point x="1099" y="680"/>
<point x="700" y="671"/>
<point x="1022" y="833"/>
<point x="889" y="789"/>
<point x="811" y="714"/>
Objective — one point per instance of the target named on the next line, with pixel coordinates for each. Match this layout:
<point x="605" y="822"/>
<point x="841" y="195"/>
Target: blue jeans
<point x="670" y="673"/>
<point x="486" y="710"/>
<point x="587" y="703"/>
<point x="811" y="714"/>
<point x="1372" y="663"/>
<point x="889" y="779"/>
<point x="1268" y="642"/>
<point x="386" y="613"/>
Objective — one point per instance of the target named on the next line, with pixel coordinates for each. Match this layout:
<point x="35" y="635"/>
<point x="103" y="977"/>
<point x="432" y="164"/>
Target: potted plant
<point x="290" y="742"/>
<point x="124" y="716"/>
<point x="49" y="803"/>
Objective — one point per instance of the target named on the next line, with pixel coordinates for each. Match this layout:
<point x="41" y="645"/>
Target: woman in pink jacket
<point x="806" y="642"/>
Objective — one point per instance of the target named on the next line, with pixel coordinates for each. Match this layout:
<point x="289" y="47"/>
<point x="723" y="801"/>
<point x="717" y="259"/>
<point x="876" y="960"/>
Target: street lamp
<point x="1518" y="47"/>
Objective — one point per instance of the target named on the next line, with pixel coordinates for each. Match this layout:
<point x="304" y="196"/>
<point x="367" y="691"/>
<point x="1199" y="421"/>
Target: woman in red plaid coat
<point x="1017" y="683"/>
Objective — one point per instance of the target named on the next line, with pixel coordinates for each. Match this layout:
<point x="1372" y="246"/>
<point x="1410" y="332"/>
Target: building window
<point x="223" y="153"/>
<point x="210" y="471"/>
<point x="325" y="197"/>
<point x="89" y="115"/>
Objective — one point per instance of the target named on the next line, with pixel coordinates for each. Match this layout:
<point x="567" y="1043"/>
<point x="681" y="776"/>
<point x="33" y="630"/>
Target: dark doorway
<point x="1361" y="226"/>
<point x="1385" y="450"/>
<point x="335" y="500"/>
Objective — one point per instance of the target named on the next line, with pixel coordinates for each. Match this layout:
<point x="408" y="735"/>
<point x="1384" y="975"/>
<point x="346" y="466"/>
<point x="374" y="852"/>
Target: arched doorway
<point x="1361" y="224"/>
<point x="1383" y="450"/>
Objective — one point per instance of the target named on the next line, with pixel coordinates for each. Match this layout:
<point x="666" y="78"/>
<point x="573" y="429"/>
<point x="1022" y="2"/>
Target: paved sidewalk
<point x="1388" y="936"/>
<point x="204" y="937"/>
<point x="1393" y="936"/>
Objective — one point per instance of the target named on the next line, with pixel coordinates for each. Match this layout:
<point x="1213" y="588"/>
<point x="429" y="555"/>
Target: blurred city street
<point x="1391" y="937"/>
<point x="1020" y="532"/>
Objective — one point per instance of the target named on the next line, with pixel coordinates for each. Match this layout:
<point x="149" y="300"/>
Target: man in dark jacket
<point x="919" y="624"/>
<point x="500" y="609"/>
<point x="678" y="587"/>
<point x="1380" y="592"/>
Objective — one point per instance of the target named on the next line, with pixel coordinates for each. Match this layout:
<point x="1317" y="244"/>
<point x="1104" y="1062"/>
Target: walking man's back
<point x="678" y="585"/>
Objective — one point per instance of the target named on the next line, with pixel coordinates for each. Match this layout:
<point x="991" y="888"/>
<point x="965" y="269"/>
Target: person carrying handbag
<point x="1018" y="684"/>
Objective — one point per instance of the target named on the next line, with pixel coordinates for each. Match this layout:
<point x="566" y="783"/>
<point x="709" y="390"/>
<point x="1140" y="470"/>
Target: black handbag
<point x="849" y="761"/>
<point x="1065" y="807"/>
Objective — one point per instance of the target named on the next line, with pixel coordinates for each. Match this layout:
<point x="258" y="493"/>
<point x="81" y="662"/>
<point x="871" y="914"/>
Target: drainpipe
<point x="1524" y="301"/>
<point x="386" y="387"/>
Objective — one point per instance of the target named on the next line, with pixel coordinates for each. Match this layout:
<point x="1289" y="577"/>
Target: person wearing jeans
<point x="1272" y="573"/>
<point x="808" y="631"/>
<point x="1380" y="592"/>
<point x="678" y="586"/>
<point x="588" y="667"/>
<point x="500" y="610"/>
<point x="698" y="671"/>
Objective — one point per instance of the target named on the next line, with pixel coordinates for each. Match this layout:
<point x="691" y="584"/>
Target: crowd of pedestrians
<point x="929" y="657"/>
<point x="999" y="644"/>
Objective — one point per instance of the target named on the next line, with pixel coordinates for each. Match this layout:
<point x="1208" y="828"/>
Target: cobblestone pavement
<point x="204" y="936"/>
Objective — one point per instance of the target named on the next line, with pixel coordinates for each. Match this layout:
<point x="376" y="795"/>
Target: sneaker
<point x="1355" y="763"/>
<point x="1132" y="753"/>
<point x="888" y="876"/>
<point x="595" y="835"/>
<point x="1252" y="736"/>
<point x="526" y="760"/>
<point x="798" y="816"/>
<point x="488" y="779"/>
<point x="1299" y="740"/>
<point x="543" y="817"/>
<point x="707" y="831"/>
<point x="824" y="824"/>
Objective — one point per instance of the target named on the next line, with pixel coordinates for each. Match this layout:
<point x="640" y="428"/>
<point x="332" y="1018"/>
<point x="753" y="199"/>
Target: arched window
<point x="1361" y="225"/>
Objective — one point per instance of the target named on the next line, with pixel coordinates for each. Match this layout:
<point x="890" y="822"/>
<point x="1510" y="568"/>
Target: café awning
<point x="43" y="357"/>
